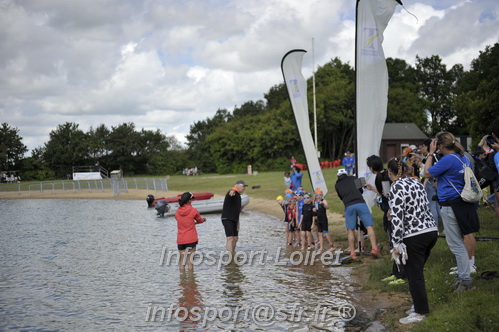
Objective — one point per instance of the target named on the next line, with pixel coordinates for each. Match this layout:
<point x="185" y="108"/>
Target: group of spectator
<point x="7" y="177"/>
<point x="190" y="171"/>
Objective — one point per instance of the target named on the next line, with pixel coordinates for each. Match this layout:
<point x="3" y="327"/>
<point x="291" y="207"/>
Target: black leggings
<point x="418" y="251"/>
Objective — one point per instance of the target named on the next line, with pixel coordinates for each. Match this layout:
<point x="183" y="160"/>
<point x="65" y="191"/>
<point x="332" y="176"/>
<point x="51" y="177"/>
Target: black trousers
<point x="418" y="251"/>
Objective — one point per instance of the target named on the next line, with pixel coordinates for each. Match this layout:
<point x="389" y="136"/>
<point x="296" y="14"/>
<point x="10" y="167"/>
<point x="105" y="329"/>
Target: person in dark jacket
<point x="355" y="207"/>
<point x="230" y="214"/>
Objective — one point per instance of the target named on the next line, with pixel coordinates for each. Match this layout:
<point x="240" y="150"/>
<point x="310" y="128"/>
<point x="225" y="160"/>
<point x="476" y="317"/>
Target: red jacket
<point x="187" y="218"/>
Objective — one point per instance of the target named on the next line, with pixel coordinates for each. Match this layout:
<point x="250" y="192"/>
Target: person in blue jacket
<point x="296" y="177"/>
<point x="348" y="162"/>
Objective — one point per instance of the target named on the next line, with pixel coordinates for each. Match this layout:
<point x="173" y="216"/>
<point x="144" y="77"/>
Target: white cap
<point x="341" y="171"/>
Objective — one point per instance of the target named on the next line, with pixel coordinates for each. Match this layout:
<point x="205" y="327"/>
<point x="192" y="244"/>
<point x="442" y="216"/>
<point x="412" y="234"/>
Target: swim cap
<point x="279" y="198"/>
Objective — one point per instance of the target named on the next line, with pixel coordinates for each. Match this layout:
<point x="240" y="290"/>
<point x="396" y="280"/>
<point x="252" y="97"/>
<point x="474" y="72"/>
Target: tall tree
<point x="479" y="93"/>
<point x="12" y="149"/>
<point x="66" y="148"/>
<point x="198" y="148"/>
<point x="123" y="144"/>
<point x="437" y="89"/>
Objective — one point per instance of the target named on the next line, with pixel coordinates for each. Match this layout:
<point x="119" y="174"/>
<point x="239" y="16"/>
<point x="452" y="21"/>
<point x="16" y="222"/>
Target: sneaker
<point x="390" y="278"/>
<point x="454" y="268"/>
<point x="397" y="282"/>
<point x="412" y="318"/>
<point x="464" y="285"/>
<point x="410" y="311"/>
<point x="472" y="270"/>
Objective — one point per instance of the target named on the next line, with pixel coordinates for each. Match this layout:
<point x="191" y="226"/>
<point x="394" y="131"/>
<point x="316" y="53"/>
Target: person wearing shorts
<point x="308" y="213"/>
<point x="230" y="214"/>
<point x="322" y="221"/>
<point x="187" y="237"/>
<point x="355" y="207"/>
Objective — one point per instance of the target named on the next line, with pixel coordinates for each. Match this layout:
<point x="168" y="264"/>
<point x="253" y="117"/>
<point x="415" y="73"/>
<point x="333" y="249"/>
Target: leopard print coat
<point x="409" y="209"/>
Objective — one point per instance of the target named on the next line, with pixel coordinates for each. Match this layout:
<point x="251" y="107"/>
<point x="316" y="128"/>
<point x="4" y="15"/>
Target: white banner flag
<point x="297" y="89"/>
<point x="371" y="80"/>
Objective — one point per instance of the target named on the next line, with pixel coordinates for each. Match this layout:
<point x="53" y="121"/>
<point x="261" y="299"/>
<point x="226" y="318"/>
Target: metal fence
<point x="117" y="186"/>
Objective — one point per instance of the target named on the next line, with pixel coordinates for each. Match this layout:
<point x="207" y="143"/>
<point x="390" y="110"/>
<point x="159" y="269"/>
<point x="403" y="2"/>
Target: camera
<point x="490" y="140"/>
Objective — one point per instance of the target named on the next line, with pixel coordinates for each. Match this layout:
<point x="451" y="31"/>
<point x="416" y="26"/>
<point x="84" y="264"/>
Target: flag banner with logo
<point x="296" y="85"/>
<point x="371" y="79"/>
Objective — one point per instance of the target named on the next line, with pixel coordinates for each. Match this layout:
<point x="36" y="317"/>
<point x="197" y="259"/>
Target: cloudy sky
<point x="164" y="64"/>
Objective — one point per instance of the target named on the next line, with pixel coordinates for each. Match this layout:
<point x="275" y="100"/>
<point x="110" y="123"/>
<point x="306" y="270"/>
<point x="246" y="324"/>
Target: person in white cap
<point x="230" y="214"/>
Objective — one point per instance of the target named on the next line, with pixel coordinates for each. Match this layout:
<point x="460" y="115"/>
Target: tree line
<point x="263" y="133"/>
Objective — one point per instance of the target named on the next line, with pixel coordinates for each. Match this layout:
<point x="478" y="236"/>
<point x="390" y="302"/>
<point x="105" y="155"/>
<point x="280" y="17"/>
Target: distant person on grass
<point x="230" y="214"/>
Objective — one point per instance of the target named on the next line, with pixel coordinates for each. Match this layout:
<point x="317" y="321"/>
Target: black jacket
<point x="232" y="206"/>
<point x="347" y="191"/>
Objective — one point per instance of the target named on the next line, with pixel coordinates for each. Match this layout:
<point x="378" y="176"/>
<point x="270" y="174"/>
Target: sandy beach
<point x="269" y="207"/>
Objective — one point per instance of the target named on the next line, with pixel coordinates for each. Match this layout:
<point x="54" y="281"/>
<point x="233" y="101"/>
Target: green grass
<point x="472" y="310"/>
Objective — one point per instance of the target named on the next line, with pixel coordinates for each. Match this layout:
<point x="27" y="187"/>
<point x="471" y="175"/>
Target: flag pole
<point x="315" y="109"/>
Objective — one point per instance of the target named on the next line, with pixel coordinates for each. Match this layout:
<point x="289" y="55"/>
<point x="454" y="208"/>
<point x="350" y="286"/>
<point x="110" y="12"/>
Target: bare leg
<point x="189" y="255"/>
<point x="321" y="243"/>
<point x="183" y="259"/>
<point x="351" y="240"/>
<point x="470" y="243"/>
<point x="329" y="240"/>
<point x="309" y="238"/>
<point x="303" y="240"/>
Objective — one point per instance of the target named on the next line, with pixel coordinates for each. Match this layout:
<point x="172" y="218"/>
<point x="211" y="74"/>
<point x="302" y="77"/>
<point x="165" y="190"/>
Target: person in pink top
<point x="187" y="237"/>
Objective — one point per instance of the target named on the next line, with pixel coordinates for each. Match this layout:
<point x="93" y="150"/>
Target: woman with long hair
<point x="414" y="232"/>
<point x="459" y="217"/>
<point x="187" y="237"/>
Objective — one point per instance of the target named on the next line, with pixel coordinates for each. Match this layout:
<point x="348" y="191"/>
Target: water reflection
<point x="191" y="300"/>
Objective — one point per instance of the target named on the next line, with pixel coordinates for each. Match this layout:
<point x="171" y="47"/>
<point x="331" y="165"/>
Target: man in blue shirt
<point x="348" y="162"/>
<point x="296" y="178"/>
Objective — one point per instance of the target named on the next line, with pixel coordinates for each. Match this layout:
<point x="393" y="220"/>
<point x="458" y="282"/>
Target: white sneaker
<point x="472" y="270"/>
<point x="410" y="311"/>
<point x="412" y="318"/>
<point x="454" y="268"/>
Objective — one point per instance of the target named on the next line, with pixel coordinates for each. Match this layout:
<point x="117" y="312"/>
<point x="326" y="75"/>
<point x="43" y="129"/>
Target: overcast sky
<point x="164" y="64"/>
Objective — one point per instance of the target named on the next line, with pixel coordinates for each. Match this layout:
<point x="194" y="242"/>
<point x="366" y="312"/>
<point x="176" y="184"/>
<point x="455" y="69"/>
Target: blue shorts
<point x="358" y="210"/>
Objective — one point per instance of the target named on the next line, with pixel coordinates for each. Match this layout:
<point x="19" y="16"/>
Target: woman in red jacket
<point x="187" y="237"/>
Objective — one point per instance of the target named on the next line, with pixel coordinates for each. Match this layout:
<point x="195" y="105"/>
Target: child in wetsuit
<point x="322" y="221"/>
<point x="308" y="213"/>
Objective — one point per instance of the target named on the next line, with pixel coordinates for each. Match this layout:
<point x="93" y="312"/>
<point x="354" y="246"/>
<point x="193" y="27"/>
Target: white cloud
<point x="164" y="64"/>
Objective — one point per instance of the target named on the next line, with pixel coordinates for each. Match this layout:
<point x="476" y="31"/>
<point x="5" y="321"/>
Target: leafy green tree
<point x="123" y="144"/>
<point x="66" y="148"/>
<point x="276" y="96"/>
<point x="479" y="93"/>
<point x="404" y="102"/>
<point x="198" y="152"/>
<point x="97" y="140"/>
<point x="35" y="168"/>
<point x="335" y="104"/>
<point x="12" y="149"/>
<point x="437" y="88"/>
<point x="249" y="108"/>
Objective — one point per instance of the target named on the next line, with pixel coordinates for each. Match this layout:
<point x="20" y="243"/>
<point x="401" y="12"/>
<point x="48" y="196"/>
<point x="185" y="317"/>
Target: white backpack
<point x="471" y="191"/>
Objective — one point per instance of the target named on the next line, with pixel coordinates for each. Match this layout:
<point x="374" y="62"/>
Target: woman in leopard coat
<point x="413" y="229"/>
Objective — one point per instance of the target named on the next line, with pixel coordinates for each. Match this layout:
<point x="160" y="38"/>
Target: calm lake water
<point x="103" y="265"/>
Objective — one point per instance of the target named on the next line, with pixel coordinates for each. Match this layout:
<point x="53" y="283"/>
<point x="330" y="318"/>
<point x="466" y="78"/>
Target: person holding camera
<point x="459" y="217"/>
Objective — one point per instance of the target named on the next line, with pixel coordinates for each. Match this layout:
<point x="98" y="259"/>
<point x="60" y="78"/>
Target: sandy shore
<point x="269" y="207"/>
